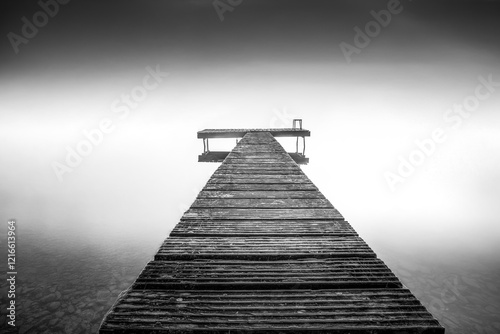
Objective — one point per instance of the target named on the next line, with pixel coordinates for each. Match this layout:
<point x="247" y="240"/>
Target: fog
<point x="140" y="178"/>
<point x="263" y="66"/>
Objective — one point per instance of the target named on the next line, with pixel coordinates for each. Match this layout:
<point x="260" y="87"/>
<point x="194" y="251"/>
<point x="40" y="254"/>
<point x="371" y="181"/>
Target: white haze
<point x="137" y="183"/>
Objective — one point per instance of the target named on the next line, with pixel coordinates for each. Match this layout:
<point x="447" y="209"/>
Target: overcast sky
<point x="266" y="63"/>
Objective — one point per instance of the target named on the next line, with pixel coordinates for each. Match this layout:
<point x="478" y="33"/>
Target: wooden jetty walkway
<point x="262" y="250"/>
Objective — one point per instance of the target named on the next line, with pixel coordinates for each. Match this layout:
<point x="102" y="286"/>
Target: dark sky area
<point x="106" y="34"/>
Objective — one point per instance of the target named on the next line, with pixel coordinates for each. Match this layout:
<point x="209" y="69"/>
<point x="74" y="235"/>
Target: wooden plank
<point x="229" y="176"/>
<point x="263" y="148"/>
<point x="262" y="203"/>
<point x="282" y="180"/>
<point x="283" y="228"/>
<point x="273" y="268"/>
<point x="258" y="159"/>
<point x="306" y="282"/>
<point x="239" y="133"/>
<point x="260" y="194"/>
<point x="252" y="325"/>
<point x="259" y="171"/>
<point x="257" y="167"/>
<point x="283" y="223"/>
<point x="258" y="162"/>
<point x="266" y="298"/>
<point x="259" y="155"/>
<point x="261" y="244"/>
<point x="261" y="311"/>
<point x="261" y="187"/>
<point x="261" y="248"/>
<point x="306" y="274"/>
<point x="233" y="213"/>
<point x="213" y="156"/>
<point x="299" y="158"/>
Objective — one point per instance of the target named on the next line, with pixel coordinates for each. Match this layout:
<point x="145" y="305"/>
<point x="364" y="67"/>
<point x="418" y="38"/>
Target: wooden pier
<point x="262" y="250"/>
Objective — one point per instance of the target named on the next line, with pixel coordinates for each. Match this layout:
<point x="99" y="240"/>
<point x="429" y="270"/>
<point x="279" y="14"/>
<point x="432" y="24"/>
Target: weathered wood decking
<point x="262" y="250"/>
<point x="239" y="133"/>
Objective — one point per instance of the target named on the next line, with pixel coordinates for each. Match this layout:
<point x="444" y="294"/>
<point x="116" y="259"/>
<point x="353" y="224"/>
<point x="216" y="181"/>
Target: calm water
<point x="66" y="285"/>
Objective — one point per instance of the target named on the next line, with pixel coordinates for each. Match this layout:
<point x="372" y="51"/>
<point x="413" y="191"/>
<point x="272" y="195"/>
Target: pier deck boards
<point x="239" y="133"/>
<point x="262" y="250"/>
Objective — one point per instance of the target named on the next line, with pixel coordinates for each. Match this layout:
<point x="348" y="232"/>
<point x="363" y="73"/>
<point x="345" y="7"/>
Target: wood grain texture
<point x="276" y="228"/>
<point x="260" y="186"/>
<point x="253" y="180"/>
<point x="260" y="194"/>
<point x="244" y="274"/>
<point x="262" y="203"/>
<point x="275" y="214"/>
<point x="261" y="250"/>
<point x="393" y="310"/>
<point x="239" y="133"/>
